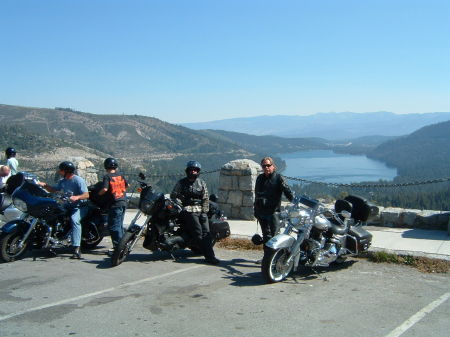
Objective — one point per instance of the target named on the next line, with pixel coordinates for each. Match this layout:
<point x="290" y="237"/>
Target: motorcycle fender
<point x="280" y="241"/>
<point x="14" y="225"/>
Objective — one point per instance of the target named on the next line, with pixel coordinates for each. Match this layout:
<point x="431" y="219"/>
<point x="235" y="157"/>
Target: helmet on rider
<point x="67" y="167"/>
<point x="110" y="164"/>
<point x="10" y="152"/>
<point x="193" y="169"/>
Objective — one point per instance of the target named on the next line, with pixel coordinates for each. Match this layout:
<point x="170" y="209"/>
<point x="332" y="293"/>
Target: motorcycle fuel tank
<point x="321" y="223"/>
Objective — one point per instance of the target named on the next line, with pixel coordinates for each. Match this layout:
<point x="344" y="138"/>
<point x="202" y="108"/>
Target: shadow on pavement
<point x="426" y="234"/>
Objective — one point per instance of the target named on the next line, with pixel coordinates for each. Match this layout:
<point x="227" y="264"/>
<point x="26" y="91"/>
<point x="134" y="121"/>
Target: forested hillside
<point x="422" y="154"/>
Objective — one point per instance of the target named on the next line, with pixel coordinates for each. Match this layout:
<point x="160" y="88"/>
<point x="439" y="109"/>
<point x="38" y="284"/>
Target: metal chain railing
<point x="374" y="185"/>
<point x="300" y="180"/>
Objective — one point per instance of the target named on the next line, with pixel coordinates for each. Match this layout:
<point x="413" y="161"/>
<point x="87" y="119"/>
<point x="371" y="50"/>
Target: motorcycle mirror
<point x="141" y="176"/>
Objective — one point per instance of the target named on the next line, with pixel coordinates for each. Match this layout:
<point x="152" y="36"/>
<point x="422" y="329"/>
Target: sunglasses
<point x="266" y="165"/>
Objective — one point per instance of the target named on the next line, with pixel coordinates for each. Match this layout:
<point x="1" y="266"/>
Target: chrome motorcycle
<point x="315" y="236"/>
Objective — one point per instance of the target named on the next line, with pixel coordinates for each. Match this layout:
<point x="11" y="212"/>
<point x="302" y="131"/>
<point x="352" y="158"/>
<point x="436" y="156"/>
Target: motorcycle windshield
<point x="32" y="200"/>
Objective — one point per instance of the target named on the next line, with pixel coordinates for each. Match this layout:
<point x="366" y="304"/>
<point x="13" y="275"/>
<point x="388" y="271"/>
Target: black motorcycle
<point x="45" y="222"/>
<point x="162" y="228"/>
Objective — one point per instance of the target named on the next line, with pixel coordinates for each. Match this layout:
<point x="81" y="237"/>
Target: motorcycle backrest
<point x="360" y="207"/>
<point x="102" y="201"/>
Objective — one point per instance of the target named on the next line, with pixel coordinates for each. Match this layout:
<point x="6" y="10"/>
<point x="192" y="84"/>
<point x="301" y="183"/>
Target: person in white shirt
<point x="11" y="161"/>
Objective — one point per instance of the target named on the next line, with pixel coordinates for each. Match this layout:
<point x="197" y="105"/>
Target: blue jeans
<point x="115" y="224"/>
<point x="76" y="215"/>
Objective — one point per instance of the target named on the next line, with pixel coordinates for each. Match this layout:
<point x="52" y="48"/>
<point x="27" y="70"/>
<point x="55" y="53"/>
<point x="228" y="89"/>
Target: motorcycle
<point x="45" y="220"/>
<point x="162" y="228"/>
<point x="315" y="236"/>
<point x="7" y="210"/>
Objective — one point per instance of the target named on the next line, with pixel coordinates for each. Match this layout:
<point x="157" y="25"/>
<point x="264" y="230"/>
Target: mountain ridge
<point x="332" y="126"/>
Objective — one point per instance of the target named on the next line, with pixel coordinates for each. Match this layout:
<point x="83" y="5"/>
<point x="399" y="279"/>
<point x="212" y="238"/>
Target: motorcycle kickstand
<point x="324" y="278"/>
<point x="173" y="257"/>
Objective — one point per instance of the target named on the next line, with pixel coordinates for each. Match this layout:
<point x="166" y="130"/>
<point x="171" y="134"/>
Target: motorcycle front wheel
<point x="124" y="248"/>
<point x="274" y="267"/>
<point x="11" y="246"/>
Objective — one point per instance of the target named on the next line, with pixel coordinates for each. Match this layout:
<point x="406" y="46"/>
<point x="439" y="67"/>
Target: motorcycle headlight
<point x="20" y="204"/>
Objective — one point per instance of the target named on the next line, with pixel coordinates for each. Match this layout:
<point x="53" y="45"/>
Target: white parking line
<point x="77" y="298"/>
<point x="418" y="316"/>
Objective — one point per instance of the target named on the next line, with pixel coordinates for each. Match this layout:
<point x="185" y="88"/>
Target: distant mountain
<point x="424" y="153"/>
<point x="333" y="126"/>
<point x="268" y="144"/>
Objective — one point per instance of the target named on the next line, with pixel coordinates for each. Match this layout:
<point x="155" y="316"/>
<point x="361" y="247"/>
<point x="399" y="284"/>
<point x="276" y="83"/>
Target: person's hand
<point x="73" y="198"/>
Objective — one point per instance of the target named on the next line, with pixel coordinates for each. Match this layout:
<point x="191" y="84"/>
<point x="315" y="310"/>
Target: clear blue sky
<point x="204" y="60"/>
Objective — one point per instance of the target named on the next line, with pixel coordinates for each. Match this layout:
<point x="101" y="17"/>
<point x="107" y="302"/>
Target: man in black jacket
<point x="268" y="189"/>
<point x="193" y="193"/>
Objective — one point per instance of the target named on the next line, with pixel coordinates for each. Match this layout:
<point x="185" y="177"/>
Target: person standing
<point x="193" y="193"/>
<point x="76" y="187"/>
<point x="269" y="188"/>
<point x="114" y="186"/>
<point x="11" y="160"/>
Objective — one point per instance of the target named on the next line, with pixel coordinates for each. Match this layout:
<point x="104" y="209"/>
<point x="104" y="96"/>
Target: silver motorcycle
<point x="315" y="236"/>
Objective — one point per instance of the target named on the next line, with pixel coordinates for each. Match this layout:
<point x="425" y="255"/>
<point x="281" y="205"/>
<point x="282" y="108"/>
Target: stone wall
<point x="86" y="170"/>
<point x="236" y="188"/>
<point x="411" y="218"/>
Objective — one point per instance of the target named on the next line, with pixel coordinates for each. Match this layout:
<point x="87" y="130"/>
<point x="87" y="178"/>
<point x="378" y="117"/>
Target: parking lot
<point x="153" y="295"/>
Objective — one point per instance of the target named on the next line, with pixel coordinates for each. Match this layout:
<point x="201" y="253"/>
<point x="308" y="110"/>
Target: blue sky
<point x="191" y="60"/>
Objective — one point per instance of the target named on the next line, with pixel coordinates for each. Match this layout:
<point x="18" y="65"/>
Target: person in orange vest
<point x="114" y="186"/>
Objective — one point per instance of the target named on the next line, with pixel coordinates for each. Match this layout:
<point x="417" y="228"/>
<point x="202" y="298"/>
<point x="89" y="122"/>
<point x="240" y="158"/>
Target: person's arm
<point x="83" y="189"/>
<point x="176" y="192"/>
<point x="205" y="199"/>
<point x="83" y="196"/>
<point x="47" y="187"/>
<point x="105" y="186"/>
<point x="286" y="189"/>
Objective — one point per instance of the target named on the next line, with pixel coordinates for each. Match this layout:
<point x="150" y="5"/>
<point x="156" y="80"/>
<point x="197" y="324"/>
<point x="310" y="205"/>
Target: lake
<point x="327" y="166"/>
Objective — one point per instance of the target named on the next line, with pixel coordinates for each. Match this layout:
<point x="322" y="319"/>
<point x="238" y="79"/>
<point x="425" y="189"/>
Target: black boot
<point x="208" y="251"/>
<point x="76" y="253"/>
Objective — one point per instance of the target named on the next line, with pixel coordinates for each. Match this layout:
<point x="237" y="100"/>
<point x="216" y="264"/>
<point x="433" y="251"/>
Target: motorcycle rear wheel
<point x="124" y="248"/>
<point x="273" y="265"/>
<point x="91" y="236"/>
<point x="9" y="250"/>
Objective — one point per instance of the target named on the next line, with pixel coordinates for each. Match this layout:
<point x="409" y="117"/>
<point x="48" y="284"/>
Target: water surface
<point x="327" y="166"/>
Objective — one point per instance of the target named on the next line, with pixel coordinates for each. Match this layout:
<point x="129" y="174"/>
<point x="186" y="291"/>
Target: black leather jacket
<point x="268" y="192"/>
<point x="193" y="195"/>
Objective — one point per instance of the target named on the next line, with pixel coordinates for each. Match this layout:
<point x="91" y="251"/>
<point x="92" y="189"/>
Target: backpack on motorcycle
<point x="219" y="229"/>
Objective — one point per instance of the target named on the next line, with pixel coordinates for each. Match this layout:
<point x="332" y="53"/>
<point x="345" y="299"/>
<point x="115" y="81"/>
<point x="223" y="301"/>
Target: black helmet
<point x="257" y="239"/>
<point x="67" y="167"/>
<point x="10" y="152"/>
<point x="193" y="168"/>
<point x="110" y="163"/>
<point x="193" y="164"/>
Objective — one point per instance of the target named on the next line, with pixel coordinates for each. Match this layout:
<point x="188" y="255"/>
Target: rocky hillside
<point x="119" y="135"/>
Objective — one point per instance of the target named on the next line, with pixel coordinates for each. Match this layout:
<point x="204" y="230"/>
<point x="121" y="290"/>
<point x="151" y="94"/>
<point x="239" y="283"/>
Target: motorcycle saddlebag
<point x="219" y="230"/>
<point x="363" y="239"/>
